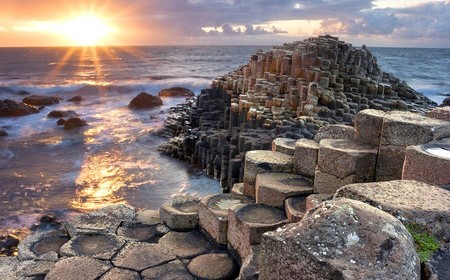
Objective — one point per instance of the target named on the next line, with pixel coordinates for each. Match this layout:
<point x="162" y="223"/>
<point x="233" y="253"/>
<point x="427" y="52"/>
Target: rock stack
<point x="290" y="91"/>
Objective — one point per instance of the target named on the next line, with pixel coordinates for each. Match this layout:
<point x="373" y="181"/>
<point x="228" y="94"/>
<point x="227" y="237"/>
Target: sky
<point x="400" y="23"/>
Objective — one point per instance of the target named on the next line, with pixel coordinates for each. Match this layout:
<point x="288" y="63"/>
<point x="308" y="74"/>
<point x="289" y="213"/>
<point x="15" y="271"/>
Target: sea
<point x="46" y="170"/>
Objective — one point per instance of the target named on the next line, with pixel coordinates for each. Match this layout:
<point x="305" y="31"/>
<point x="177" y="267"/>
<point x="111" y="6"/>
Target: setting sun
<point x="87" y="30"/>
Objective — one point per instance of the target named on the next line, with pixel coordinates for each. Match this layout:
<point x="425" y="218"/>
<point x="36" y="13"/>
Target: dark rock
<point x="61" y="114"/>
<point x="61" y="122"/>
<point x="24" y="92"/>
<point x="176" y="92"/>
<point x="3" y="133"/>
<point x="48" y="219"/>
<point x="144" y="100"/>
<point x="41" y="100"/>
<point x="74" y="123"/>
<point x="341" y="239"/>
<point x="76" y="98"/>
<point x="11" y="108"/>
<point x="437" y="268"/>
<point x="446" y="102"/>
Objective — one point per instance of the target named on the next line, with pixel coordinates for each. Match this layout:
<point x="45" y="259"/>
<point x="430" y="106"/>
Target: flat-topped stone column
<point x="273" y="188"/>
<point x="284" y="145"/>
<point x="342" y="162"/>
<point x="295" y="208"/>
<point x="410" y="201"/>
<point x="213" y="214"/>
<point x="261" y="162"/>
<point x="402" y="129"/>
<point x="246" y="225"/>
<point x="368" y="125"/>
<point x="180" y="212"/>
<point x="429" y="163"/>
<point x="305" y="157"/>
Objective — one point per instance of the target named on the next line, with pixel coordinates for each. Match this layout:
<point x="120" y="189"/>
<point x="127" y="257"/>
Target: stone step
<point x="305" y="157"/>
<point x="246" y="225"/>
<point x="410" y="201"/>
<point x="284" y="145"/>
<point x="273" y="188"/>
<point x="342" y="162"/>
<point x="429" y="163"/>
<point x="402" y="129"/>
<point x="180" y="212"/>
<point x="213" y="214"/>
<point x="261" y="161"/>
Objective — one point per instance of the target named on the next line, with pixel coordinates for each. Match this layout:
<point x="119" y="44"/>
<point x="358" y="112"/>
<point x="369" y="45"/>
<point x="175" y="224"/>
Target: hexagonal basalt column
<point x="273" y="188"/>
<point x="99" y="246"/>
<point x="368" y="126"/>
<point x="295" y="208"/>
<point x="402" y="129"/>
<point x="284" y="145"/>
<point x="263" y="161"/>
<point x="343" y="162"/>
<point x="180" y="212"/>
<point x="429" y="163"/>
<point x="213" y="214"/>
<point x="305" y="157"/>
<point x="42" y="246"/>
<point x="248" y="223"/>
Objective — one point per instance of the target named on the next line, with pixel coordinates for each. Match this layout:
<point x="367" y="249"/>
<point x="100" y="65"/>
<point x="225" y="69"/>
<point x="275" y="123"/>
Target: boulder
<point x="61" y="114"/>
<point x="11" y="108"/>
<point x="445" y="102"/>
<point x="176" y="92"/>
<point x="41" y="100"/>
<point x="3" y="133"/>
<point x="144" y="100"/>
<point x="76" y="98"/>
<point x="410" y="201"/>
<point x="73" y="123"/>
<point x="335" y="242"/>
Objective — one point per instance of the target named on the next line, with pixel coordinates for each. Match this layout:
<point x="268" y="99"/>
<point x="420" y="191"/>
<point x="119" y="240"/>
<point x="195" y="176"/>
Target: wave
<point x="119" y="88"/>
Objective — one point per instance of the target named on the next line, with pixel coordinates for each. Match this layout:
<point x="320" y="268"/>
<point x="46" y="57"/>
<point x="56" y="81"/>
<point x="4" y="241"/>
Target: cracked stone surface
<point x="185" y="244"/>
<point x="99" y="246"/>
<point x="140" y="255"/>
<point x="342" y="239"/>
<point x="75" y="268"/>
<point x="138" y="231"/>
<point x="169" y="271"/>
<point x="120" y="274"/>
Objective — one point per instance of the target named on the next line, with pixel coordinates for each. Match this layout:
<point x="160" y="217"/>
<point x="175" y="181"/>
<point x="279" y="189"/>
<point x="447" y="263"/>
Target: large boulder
<point x="11" y="108"/>
<point x="341" y="239"/>
<point x="144" y="100"/>
<point x="176" y="92"/>
<point x="40" y="100"/>
<point x="73" y="123"/>
<point x="61" y="114"/>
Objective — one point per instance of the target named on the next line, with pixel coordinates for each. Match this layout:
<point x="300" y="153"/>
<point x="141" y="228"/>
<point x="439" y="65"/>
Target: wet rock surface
<point x="176" y="92"/>
<point x="41" y="100"/>
<point x="144" y="101"/>
<point x="11" y="108"/>
<point x="61" y="114"/>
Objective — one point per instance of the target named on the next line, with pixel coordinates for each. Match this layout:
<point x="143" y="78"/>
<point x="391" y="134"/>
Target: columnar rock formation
<point x="290" y="91"/>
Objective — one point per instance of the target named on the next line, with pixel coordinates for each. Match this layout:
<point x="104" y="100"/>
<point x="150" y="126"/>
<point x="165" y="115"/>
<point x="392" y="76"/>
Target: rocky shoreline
<point x="331" y="169"/>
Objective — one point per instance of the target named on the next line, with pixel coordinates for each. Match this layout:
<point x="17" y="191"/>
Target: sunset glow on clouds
<point x="420" y="23"/>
